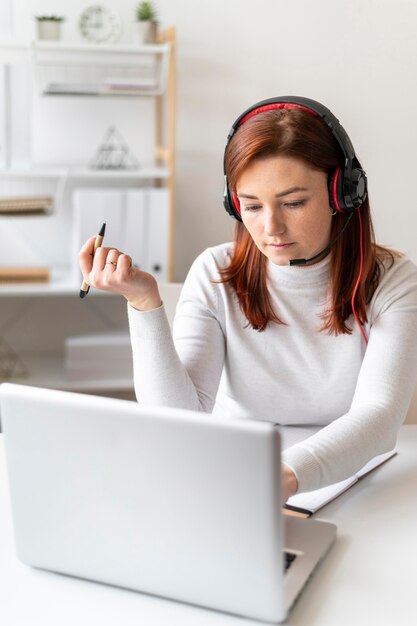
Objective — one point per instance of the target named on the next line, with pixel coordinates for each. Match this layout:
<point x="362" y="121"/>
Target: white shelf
<point x="113" y="50"/>
<point x="62" y="283"/>
<point x="142" y="173"/>
<point x="63" y="69"/>
<point x="49" y="371"/>
<point x="36" y="172"/>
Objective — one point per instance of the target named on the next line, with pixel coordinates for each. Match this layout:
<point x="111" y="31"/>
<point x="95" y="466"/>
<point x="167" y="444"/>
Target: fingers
<point x="108" y="269"/>
<point x="124" y="264"/>
<point x="105" y="258"/>
<point x="86" y="256"/>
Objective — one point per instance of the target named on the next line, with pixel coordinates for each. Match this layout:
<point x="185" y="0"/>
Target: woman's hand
<point x="289" y="483"/>
<point x="111" y="270"/>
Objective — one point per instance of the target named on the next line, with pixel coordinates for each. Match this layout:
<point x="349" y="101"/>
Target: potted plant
<point x="49" y="27"/>
<point x="146" y="15"/>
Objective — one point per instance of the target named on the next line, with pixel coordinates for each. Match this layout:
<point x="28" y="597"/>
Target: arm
<point x="182" y="369"/>
<point x="382" y="395"/>
<point x="184" y="375"/>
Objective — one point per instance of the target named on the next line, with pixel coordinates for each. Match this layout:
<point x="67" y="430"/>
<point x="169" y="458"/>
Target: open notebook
<point x="305" y="504"/>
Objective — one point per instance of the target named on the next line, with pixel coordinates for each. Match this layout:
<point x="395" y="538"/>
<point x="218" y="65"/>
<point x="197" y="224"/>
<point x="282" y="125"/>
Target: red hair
<point x="299" y="134"/>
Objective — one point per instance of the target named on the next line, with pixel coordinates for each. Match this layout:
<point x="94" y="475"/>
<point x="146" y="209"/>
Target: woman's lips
<point x="281" y="246"/>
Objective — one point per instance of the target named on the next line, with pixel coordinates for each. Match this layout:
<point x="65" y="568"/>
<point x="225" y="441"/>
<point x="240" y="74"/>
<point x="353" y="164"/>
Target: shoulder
<point x="213" y="259"/>
<point x="397" y="270"/>
<point x="201" y="283"/>
<point x="397" y="285"/>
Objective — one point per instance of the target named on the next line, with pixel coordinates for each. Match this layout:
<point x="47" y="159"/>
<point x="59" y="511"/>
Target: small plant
<point x="49" y="18"/>
<point x="146" y="12"/>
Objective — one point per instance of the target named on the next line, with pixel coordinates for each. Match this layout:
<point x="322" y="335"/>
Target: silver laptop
<point x="164" y="501"/>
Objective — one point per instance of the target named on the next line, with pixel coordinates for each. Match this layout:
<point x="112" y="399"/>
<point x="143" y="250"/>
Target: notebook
<point x="170" y="502"/>
<point x="305" y="504"/>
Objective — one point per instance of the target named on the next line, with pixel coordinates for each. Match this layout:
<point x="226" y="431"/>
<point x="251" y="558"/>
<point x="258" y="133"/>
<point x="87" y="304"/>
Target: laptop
<point x="164" y="501"/>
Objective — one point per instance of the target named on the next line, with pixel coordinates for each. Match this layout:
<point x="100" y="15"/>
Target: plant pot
<point x="49" y="30"/>
<point x="147" y="31"/>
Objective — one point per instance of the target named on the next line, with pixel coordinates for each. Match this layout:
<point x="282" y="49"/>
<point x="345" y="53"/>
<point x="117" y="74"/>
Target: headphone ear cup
<point x="335" y="188"/>
<point x="231" y="202"/>
<point x="358" y="187"/>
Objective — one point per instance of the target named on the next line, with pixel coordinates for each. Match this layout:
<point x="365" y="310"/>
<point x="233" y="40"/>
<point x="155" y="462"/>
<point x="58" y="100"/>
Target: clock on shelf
<point x="100" y="25"/>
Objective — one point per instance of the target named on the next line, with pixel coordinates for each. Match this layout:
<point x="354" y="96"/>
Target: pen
<point x="85" y="287"/>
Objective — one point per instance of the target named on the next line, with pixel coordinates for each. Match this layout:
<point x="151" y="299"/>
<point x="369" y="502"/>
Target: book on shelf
<point x="305" y="504"/>
<point x="26" y="205"/>
<point x="24" y="274"/>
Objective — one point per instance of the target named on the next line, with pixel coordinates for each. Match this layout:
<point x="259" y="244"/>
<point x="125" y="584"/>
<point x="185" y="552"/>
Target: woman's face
<point x="285" y="208"/>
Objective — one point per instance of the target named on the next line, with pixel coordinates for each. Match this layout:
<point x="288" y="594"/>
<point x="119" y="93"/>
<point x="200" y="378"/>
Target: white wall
<point x="357" y="57"/>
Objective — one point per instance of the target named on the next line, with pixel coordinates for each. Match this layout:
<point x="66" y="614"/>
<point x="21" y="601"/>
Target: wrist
<point x="147" y="304"/>
<point x="290" y="481"/>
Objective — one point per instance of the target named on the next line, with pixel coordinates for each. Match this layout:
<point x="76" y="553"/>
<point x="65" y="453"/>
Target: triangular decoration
<point x="113" y="153"/>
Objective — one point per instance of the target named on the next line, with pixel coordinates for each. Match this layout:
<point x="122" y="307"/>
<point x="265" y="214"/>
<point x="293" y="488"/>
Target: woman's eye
<point x="252" y="207"/>
<point x="294" y="205"/>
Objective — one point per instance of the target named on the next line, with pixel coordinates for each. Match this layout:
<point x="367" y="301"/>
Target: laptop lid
<point x="164" y="501"/>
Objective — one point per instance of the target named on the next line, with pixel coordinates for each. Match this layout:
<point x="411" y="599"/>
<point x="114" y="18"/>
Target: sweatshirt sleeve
<point x="383" y="391"/>
<point x="181" y="368"/>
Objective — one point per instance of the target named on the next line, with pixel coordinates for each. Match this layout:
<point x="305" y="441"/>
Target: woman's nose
<point x="274" y="224"/>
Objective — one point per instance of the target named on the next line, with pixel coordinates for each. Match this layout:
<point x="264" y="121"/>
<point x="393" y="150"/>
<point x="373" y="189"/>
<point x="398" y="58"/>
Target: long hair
<point x="299" y="134"/>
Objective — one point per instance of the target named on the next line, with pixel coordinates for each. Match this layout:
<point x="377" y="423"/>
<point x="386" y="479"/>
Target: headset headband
<point x="348" y="191"/>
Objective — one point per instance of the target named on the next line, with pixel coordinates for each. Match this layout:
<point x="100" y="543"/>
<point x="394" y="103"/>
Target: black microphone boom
<point x="316" y="256"/>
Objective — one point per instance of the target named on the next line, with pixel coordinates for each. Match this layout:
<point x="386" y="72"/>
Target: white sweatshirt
<point x="338" y="403"/>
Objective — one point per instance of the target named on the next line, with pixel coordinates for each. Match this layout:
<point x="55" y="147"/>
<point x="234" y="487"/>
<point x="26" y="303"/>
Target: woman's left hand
<point x="289" y="483"/>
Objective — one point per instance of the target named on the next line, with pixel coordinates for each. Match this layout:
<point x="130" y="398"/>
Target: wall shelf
<point x="49" y="371"/>
<point x="94" y="70"/>
<point x="146" y="172"/>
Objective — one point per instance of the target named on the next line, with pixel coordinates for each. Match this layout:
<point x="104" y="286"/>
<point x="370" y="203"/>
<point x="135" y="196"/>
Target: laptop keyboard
<point x="289" y="558"/>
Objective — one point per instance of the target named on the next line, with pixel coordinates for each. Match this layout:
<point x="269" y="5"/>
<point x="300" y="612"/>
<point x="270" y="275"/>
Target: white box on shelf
<point x="20" y="117"/>
<point x="4" y="127"/>
<point x="158" y="233"/>
<point x="136" y="241"/>
<point x="98" y="356"/>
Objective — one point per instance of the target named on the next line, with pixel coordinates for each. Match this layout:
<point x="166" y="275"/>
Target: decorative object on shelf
<point x="10" y="364"/>
<point x="146" y="15"/>
<point x="100" y="25"/>
<point x="49" y="27"/>
<point x="114" y="154"/>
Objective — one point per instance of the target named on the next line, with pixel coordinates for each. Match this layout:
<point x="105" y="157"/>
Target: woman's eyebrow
<point x="277" y="195"/>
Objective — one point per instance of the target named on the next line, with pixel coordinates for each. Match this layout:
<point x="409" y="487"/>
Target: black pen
<point x="85" y="287"/>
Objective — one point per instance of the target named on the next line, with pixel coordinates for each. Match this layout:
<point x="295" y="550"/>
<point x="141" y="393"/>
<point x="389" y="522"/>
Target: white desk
<point x="368" y="578"/>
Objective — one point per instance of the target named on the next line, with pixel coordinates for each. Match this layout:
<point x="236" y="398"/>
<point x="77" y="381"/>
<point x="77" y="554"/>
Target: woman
<point x="303" y="320"/>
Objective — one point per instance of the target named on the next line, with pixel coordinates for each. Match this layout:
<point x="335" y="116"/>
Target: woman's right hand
<point x="111" y="270"/>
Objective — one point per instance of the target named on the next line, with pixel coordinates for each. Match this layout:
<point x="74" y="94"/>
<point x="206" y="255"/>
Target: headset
<point x="347" y="184"/>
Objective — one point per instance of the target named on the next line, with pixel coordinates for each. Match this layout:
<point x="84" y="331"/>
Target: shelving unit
<point x="95" y="64"/>
<point x="115" y="71"/>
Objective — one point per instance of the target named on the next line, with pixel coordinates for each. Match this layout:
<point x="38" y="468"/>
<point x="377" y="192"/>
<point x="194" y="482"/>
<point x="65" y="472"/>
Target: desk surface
<point x="368" y="578"/>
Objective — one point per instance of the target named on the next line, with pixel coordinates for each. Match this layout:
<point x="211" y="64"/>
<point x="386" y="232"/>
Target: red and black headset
<point x="347" y="185"/>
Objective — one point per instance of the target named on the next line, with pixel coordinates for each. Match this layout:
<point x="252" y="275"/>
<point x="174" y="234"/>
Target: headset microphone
<point x="319" y="254"/>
